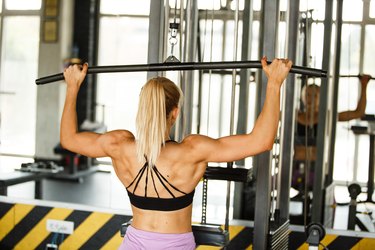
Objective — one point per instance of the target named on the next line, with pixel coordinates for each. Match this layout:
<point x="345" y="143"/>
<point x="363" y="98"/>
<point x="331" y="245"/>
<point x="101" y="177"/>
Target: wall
<point x="50" y="97"/>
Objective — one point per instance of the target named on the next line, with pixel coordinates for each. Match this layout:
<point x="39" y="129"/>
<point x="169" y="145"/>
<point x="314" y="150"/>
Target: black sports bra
<point x="312" y="131"/>
<point x="302" y="137"/>
<point x="157" y="203"/>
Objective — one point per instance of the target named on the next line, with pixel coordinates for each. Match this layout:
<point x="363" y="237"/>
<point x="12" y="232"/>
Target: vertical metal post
<point x="4" y="190"/>
<point x="268" y="35"/>
<point x="38" y="193"/>
<point x="92" y="48"/>
<point x="325" y="81"/>
<point x="320" y="164"/>
<point x="288" y="116"/>
<point x="156" y="34"/>
<point x="243" y="98"/>
<point x="204" y="200"/>
<point x="370" y="182"/>
<point x="189" y="56"/>
<point x="352" y="214"/>
<point x="85" y="37"/>
<point x="232" y="109"/>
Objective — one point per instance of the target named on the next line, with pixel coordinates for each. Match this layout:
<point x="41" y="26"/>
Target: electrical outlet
<point x="60" y="226"/>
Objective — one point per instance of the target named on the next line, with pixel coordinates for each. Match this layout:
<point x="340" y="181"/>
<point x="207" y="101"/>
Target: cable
<point x="201" y="57"/>
<point x="205" y="180"/>
<point x="175" y="11"/>
<point x="347" y="122"/>
<point x="54" y="238"/>
<point x="324" y="246"/>
<point x="173" y="39"/>
<point x="232" y="110"/>
<point x="307" y="123"/>
<point x="62" y="238"/>
<point x="204" y="34"/>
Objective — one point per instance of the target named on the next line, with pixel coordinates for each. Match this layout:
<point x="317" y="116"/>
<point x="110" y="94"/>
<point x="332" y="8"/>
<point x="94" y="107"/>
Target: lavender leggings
<point x="136" y="239"/>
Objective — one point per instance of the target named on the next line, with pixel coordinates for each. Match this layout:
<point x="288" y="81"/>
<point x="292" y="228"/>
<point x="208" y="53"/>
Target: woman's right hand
<point x="75" y="74"/>
<point x="277" y="71"/>
<point x="364" y="79"/>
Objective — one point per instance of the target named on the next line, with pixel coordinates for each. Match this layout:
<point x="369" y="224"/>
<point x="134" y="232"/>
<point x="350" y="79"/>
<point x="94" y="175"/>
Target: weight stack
<point x="278" y="236"/>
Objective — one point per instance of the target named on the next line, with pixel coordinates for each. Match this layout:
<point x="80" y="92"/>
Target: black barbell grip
<point x="352" y="76"/>
<point x="181" y="66"/>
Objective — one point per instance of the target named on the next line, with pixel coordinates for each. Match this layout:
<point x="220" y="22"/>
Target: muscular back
<point x="176" y="163"/>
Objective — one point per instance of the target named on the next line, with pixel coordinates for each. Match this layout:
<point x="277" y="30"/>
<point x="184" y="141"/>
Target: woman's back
<point x="163" y="191"/>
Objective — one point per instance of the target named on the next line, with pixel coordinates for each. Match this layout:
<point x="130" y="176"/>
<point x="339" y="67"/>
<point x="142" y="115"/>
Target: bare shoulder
<point x="120" y="135"/>
<point x="194" y="140"/>
<point x="198" y="146"/>
<point x="114" y="140"/>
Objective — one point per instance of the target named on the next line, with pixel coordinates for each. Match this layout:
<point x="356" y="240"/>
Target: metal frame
<point x="320" y="170"/>
<point x="156" y="34"/>
<point x="267" y="46"/>
<point x="189" y="53"/>
<point x="288" y="114"/>
<point x="326" y="64"/>
<point x="243" y="97"/>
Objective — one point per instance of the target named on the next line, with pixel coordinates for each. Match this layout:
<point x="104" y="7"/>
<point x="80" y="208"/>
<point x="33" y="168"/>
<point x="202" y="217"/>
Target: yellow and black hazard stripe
<point x="24" y="227"/>
<point x="297" y="241"/>
<point x="330" y="241"/>
<point x="240" y="237"/>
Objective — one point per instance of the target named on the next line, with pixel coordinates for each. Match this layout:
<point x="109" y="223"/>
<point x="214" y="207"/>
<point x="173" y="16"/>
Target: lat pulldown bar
<point x="181" y="66"/>
<point x="352" y="76"/>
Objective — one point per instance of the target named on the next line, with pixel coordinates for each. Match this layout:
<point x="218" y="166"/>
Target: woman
<point x="160" y="175"/>
<point x="307" y="128"/>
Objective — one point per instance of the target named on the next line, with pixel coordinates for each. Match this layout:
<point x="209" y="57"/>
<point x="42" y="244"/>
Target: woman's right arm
<point x="261" y="138"/>
<point x="361" y="105"/>
<point x="86" y="143"/>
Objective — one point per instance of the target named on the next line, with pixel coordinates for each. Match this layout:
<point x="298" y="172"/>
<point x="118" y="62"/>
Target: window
<point x="123" y="40"/>
<point x="351" y="151"/>
<point x="350" y="51"/>
<point x="19" y="64"/>
<point x="119" y="92"/>
<point x="23" y="4"/>
<point x="372" y="9"/>
<point x="369" y="50"/>
<point x="352" y="10"/>
<point x="115" y="7"/>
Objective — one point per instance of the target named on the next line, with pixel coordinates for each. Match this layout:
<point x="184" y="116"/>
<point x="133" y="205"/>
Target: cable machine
<point x="265" y="234"/>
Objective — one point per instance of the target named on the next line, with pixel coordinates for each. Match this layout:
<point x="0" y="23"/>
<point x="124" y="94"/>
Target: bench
<point x="18" y="177"/>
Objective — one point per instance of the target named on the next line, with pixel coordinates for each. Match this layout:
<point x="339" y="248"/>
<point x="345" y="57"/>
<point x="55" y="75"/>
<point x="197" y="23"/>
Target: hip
<point x="136" y="239"/>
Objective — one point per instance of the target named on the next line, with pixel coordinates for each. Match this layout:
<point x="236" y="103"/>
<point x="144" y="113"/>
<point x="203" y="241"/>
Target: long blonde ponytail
<point x="157" y="99"/>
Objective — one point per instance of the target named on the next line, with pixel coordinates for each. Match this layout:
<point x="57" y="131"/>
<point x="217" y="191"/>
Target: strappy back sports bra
<point x="301" y="137"/>
<point x="157" y="203"/>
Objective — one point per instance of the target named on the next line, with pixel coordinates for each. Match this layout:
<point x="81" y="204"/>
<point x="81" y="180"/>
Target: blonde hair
<point x="158" y="97"/>
<point x="314" y="87"/>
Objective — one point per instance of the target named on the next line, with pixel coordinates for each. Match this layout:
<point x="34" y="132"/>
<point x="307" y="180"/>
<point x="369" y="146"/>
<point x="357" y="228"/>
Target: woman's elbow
<point x="263" y="143"/>
<point x="268" y="144"/>
<point x="64" y="142"/>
